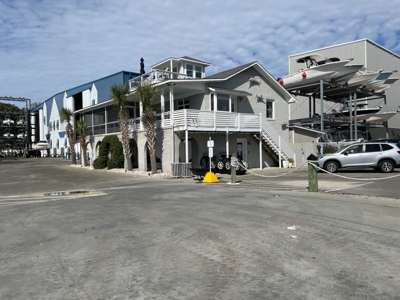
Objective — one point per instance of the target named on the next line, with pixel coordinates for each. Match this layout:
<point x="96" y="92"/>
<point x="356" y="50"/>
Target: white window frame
<point x="272" y="108"/>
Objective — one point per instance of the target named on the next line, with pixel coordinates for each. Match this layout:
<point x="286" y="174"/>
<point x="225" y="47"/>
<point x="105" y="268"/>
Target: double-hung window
<point x="189" y="70"/>
<point x="270" y="109"/>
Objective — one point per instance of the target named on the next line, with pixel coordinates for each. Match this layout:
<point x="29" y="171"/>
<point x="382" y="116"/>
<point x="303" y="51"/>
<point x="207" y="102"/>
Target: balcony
<point x="156" y="76"/>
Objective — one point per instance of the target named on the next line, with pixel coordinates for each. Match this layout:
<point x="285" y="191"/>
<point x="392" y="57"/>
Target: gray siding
<point x="380" y="58"/>
<point x="252" y="104"/>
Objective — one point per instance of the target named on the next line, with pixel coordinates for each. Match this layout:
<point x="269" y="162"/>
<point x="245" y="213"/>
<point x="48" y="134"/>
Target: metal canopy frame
<point x="27" y="116"/>
<point x="330" y="91"/>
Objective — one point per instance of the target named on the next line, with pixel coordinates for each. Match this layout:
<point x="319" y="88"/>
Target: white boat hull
<point x="361" y="80"/>
<point x="381" y="117"/>
<point x="346" y="73"/>
<point x="378" y="81"/>
<point x="312" y="75"/>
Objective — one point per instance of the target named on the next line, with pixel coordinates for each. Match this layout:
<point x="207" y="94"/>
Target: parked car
<point x="382" y="156"/>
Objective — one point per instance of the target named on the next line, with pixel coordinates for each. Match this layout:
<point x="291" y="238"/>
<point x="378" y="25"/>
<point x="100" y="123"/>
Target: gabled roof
<point x="195" y="60"/>
<point x="185" y="58"/>
<point x="228" y="73"/>
<point x="225" y="75"/>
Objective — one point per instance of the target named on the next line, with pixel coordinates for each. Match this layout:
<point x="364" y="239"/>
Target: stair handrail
<point x="271" y="133"/>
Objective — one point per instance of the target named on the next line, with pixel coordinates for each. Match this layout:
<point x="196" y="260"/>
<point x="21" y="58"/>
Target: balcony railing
<point x="156" y="76"/>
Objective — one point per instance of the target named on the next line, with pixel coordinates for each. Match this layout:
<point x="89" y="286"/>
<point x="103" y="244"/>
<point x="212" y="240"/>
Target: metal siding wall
<point x="378" y="58"/>
<point x="354" y="50"/>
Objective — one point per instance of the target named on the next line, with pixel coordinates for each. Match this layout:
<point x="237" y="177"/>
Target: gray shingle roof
<point x="230" y="72"/>
<point x="194" y="59"/>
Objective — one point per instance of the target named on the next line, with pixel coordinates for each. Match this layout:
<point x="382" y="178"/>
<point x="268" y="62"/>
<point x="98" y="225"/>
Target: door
<point x="372" y="154"/>
<point x="354" y="156"/>
<point x="241" y="149"/>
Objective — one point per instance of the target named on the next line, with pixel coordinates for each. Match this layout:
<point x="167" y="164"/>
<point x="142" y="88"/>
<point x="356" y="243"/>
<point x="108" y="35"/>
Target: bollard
<point x="312" y="176"/>
<point x="233" y="169"/>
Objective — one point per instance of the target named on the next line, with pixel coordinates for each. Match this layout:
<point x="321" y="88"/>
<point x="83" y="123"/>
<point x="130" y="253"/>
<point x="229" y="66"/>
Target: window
<point x="372" y="148"/>
<point x="183" y="103"/>
<point x="223" y="102"/>
<point x="233" y="103"/>
<point x="112" y="114"/>
<point x="270" y="109"/>
<point x="198" y="71"/>
<point x="355" y="149"/>
<point x="189" y="70"/>
<point x="99" y="116"/>
<point x="212" y="102"/>
<point x="88" y="118"/>
<point x="194" y="71"/>
<point x="386" y="147"/>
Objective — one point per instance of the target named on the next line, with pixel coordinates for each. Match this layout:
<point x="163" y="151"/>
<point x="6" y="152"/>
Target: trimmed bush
<point x="328" y="148"/>
<point x="110" y="144"/>
<point x="100" y="162"/>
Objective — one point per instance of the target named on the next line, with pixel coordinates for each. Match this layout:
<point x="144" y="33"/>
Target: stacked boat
<point x="337" y="71"/>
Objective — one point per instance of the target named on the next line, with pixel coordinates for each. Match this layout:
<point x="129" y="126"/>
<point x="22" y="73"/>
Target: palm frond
<point x="147" y="92"/>
<point x="119" y="94"/>
<point x="66" y="114"/>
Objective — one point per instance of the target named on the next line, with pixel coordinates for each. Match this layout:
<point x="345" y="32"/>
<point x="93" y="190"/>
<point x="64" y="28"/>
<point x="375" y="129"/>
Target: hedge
<point x="112" y="144"/>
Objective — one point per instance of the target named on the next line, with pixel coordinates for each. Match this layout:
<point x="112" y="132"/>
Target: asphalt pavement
<point x="72" y="233"/>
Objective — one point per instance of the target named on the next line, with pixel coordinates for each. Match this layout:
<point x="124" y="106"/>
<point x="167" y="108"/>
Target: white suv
<point x="381" y="156"/>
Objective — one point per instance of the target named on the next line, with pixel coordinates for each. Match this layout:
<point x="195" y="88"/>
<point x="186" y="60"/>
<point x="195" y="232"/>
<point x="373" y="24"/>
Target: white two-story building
<point x="244" y="110"/>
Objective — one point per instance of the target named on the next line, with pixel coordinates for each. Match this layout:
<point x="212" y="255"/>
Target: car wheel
<point x="386" y="166"/>
<point x="331" y="166"/>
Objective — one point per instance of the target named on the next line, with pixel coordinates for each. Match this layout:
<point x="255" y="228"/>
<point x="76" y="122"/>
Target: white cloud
<point x="49" y="46"/>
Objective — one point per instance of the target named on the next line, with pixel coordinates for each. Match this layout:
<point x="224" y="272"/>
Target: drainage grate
<point x="65" y="193"/>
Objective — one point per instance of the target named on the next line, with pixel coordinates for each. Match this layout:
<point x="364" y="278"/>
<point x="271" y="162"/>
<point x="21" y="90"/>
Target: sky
<point x="48" y="46"/>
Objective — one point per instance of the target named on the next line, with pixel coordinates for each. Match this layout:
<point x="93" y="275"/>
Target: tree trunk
<point x="70" y="135"/>
<point x="84" y="150"/>
<point x="124" y="127"/>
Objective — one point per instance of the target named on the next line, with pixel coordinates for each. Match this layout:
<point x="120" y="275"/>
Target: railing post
<point x="185" y="118"/>
<point x="280" y="152"/>
<point x="215" y="120"/>
<point x="312" y="176"/>
<point x="239" y="124"/>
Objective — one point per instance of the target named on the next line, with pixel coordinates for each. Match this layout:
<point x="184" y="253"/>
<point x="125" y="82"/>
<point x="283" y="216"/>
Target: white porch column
<point x="171" y="103"/>
<point x="141" y="112"/>
<point x="187" y="145"/>
<point x="162" y="99"/>
<point x="230" y="103"/>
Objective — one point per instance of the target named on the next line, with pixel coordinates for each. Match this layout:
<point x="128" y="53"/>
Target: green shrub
<point x="112" y="144"/>
<point x="328" y="148"/>
<point x="100" y="162"/>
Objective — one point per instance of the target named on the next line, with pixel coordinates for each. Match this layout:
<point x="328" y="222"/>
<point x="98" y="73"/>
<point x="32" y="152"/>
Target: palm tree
<point x="118" y="94"/>
<point x="81" y="129"/>
<point x="66" y="115"/>
<point x="147" y="92"/>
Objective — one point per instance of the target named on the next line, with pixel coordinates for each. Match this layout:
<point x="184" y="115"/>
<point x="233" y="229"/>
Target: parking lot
<point x="72" y="233"/>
